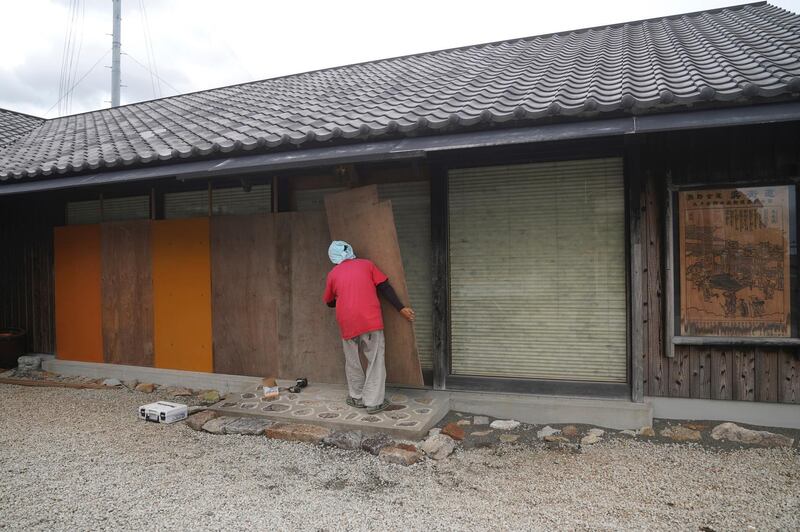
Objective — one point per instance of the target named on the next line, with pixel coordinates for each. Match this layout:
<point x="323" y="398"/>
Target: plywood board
<point x="370" y="229"/>
<point x="314" y="347"/>
<point x="127" y="287"/>
<point x="347" y="200"/>
<point x="244" y="280"/>
<point x="182" y="294"/>
<point x="78" y="304"/>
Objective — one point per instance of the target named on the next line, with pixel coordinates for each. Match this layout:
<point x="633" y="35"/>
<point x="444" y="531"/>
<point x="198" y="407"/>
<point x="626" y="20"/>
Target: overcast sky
<point x="201" y="44"/>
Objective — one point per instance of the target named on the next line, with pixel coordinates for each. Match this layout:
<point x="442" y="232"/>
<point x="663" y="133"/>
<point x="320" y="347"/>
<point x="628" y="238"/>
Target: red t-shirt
<point x="352" y="284"/>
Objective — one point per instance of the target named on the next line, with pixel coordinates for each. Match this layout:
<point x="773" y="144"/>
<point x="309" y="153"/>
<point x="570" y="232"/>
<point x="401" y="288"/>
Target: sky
<point x="201" y="44"/>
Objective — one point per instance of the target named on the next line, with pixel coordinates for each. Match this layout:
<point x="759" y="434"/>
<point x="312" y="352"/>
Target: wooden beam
<point x="440" y="268"/>
<point x="633" y="180"/>
<point x="733" y="341"/>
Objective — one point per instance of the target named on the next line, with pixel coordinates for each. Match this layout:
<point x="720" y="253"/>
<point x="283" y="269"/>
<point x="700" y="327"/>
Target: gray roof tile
<point x="739" y="54"/>
<point x="13" y="125"/>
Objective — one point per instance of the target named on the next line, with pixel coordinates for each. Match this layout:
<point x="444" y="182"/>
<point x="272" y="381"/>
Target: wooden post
<point x="633" y="179"/>
<point x="441" y="289"/>
<point x="669" y="272"/>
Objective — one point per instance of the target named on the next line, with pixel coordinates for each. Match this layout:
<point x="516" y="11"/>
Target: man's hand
<point x="408" y="314"/>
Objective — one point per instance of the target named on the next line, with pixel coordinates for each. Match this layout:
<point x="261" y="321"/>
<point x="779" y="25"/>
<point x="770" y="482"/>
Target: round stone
<point x="370" y="419"/>
<point x="248" y="395"/>
<point x="248" y="405"/>
<point x="303" y="412"/>
<point x="423" y="411"/>
<point x="328" y="415"/>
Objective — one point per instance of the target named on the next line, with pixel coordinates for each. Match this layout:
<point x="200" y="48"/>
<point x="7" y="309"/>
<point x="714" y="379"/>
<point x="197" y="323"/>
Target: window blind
<point x="236" y="200"/>
<point x="187" y="204"/>
<point x="537" y="271"/>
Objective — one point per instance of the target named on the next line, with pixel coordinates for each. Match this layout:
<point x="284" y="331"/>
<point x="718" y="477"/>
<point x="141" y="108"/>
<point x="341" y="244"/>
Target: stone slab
<point x="412" y="414"/>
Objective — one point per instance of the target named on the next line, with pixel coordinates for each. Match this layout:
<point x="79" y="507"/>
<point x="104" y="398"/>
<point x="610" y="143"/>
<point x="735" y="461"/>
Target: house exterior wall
<point x="736" y="156"/>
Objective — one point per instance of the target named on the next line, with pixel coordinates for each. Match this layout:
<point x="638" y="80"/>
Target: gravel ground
<point x="79" y="460"/>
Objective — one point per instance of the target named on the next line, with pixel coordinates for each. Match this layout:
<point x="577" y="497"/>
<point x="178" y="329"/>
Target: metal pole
<point x="116" y="40"/>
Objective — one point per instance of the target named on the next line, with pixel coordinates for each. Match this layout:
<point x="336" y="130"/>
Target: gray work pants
<point x="371" y="387"/>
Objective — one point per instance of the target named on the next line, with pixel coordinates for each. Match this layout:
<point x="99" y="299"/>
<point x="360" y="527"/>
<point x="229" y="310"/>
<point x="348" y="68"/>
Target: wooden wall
<point x="767" y="153"/>
<point x="26" y="267"/>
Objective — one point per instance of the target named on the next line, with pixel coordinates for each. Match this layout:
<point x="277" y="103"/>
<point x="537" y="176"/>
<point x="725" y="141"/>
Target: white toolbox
<point x="163" y="412"/>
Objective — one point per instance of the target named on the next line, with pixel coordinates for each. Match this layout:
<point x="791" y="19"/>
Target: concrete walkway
<point x="410" y="416"/>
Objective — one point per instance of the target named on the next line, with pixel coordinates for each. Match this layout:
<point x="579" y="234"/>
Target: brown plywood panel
<point x="370" y="229"/>
<point x="744" y="366"/>
<point x="314" y="348"/>
<point x="127" y="293"/>
<point x="789" y="377"/>
<point x="182" y="294"/>
<point x="346" y="201"/>
<point x="766" y="375"/>
<point x="244" y="282"/>
<point x="78" y="300"/>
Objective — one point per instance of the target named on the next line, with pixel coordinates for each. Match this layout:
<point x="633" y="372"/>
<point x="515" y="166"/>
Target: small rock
<point x="145" y="387"/>
<point x="434" y="431"/>
<point x="249" y="426"/>
<point x="647" y="432"/>
<point x="29" y="362"/>
<point x="696" y="426"/>
<point x="480" y="420"/>
<point x="394" y="454"/>
<point x="590" y="439"/>
<point x="681" y="433"/>
<point x="597" y="432"/>
<point x="217" y="425"/>
<point x="504" y="424"/>
<point x="406" y="446"/>
<point x="554" y="438"/>
<point x="631" y="433"/>
<point x="547" y="431"/>
<point x="482" y="433"/>
<point x="454" y="431"/>
<point x="509" y="438"/>
<point x="733" y="432"/>
<point x="297" y="432"/>
<point x="374" y="443"/>
<point x="349" y="440"/>
<point x="180" y="392"/>
<point x="131" y="385"/>
<point x="210" y="397"/>
<point x="464" y="422"/>
<point x="438" y="446"/>
<point x="570" y="431"/>
<point x="111" y="382"/>
<point x="196" y="421"/>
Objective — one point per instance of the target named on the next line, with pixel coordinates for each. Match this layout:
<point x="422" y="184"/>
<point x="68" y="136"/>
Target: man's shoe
<point x="379" y="408"/>
<point x="355" y="403"/>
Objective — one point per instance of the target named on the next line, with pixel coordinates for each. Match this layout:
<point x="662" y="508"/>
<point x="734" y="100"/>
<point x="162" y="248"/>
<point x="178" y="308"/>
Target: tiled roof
<point x="740" y="54"/>
<point x="13" y="125"/>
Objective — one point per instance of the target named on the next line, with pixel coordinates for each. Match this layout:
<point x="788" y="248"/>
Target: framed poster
<point x="734" y="250"/>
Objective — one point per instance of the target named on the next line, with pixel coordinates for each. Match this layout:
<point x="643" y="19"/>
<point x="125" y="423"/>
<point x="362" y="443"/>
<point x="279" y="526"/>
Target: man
<point x="352" y="287"/>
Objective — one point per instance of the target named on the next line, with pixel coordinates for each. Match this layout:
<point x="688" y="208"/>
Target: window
<point x="537" y="271"/>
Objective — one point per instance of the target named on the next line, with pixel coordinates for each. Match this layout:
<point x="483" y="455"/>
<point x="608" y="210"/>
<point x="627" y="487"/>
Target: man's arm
<point x="390" y="295"/>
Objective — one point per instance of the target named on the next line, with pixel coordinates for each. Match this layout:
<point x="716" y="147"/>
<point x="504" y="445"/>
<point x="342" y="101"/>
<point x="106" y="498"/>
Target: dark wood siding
<point x="26" y="267"/>
<point x="766" y="153"/>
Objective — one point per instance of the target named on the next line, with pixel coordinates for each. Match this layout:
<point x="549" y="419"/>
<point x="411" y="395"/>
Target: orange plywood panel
<point x="182" y="294"/>
<point x="79" y="323"/>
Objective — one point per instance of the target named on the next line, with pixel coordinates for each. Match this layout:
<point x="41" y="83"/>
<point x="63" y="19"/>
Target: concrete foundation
<point x="535" y="409"/>
<point x="540" y="410"/>
<point x="164" y="377"/>
<point x="761" y="414"/>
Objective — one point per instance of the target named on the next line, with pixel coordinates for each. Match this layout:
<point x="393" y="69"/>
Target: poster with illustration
<point x="734" y="262"/>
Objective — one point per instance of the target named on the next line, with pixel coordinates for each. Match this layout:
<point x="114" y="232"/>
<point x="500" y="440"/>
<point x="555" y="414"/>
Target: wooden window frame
<point x="443" y="378"/>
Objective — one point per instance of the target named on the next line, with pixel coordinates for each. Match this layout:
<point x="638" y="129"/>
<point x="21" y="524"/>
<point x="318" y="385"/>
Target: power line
<point x="67" y="93"/>
<point x="150" y="50"/>
<point x="165" y="82"/>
